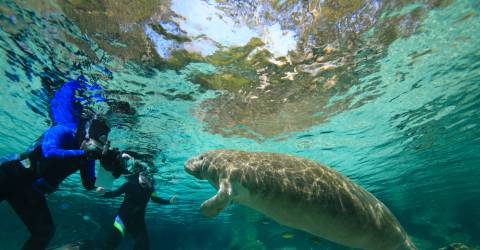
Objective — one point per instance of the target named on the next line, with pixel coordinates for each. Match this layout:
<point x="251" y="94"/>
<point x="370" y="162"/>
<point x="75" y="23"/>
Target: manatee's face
<point x="197" y="166"/>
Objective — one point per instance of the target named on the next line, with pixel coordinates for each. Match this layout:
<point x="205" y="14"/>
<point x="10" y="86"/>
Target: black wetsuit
<point x="131" y="215"/>
<point x="54" y="157"/>
<point x="24" y="188"/>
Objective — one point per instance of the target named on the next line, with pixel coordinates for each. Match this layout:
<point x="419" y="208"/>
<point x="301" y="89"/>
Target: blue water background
<point x="411" y="136"/>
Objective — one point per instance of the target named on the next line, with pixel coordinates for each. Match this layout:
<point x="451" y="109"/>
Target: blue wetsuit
<point x="62" y="157"/>
<point x="54" y="157"/>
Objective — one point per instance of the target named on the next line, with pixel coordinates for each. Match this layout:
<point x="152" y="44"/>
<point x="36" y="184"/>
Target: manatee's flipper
<point x="218" y="202"/>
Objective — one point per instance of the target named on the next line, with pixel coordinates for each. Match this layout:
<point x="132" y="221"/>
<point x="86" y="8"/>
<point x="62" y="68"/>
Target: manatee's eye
<point x="201" y="158"/>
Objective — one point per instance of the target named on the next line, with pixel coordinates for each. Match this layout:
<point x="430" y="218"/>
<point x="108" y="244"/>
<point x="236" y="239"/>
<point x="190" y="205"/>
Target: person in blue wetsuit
<point x="130" y="218"/>
<point x="71" y="144"/>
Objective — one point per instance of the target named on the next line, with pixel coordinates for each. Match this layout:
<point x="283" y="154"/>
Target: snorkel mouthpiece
<point x="144" y="180"/>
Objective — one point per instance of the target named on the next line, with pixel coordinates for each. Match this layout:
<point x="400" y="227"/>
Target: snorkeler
<point x="130" y="218"/>
<point x="71" y="144"/>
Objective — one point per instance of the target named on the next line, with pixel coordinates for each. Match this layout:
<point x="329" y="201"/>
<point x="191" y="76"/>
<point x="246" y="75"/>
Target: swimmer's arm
<point x="116" y="193"/>
<point x="159" y="200"/>
<point x="52" y="141"/>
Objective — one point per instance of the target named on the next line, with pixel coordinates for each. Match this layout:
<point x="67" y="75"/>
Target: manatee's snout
<point x="194" y="166"/>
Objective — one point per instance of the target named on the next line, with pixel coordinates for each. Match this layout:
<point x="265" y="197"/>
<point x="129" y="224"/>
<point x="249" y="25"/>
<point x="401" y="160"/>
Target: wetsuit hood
<point x="97" y="129"/>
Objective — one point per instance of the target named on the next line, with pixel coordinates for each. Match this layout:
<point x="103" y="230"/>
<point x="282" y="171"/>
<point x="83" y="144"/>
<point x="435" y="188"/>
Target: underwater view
<point x="240" y="124"/>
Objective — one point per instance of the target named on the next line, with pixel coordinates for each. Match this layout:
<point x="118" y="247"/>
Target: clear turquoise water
<point x="407" y="130"/>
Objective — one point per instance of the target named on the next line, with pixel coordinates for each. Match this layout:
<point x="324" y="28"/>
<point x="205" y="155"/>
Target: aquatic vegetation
<point x="288" y="235"/>
<point x="117" y="26"/>
<point x="319" y="64"/>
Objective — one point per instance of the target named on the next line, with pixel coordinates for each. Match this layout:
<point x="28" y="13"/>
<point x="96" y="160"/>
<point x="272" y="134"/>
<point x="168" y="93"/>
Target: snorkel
<point x="96" y="138"/>
<point x="144" y="180"/>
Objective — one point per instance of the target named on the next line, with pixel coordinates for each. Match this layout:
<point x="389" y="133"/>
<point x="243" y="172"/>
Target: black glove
<point x="93" y="154"/>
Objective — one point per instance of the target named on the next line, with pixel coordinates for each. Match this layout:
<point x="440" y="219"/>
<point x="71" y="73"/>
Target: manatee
<point x="299" y="193"/>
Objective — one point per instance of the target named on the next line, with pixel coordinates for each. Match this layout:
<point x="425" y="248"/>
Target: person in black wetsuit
<point x="66" y="147"/>
<point x="130" y="218"/>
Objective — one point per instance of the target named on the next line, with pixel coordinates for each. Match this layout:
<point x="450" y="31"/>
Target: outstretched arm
<point x="53" y="140"/>
<point x="117" y="192"/>
<point x="155" y="198"/>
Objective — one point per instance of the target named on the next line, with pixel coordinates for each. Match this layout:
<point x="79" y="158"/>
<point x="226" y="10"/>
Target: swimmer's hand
<point x="100" y="190"/>
<point x="93" y="154"/>
<point x="173" y="200"/>
<point x="92" y="150"/>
